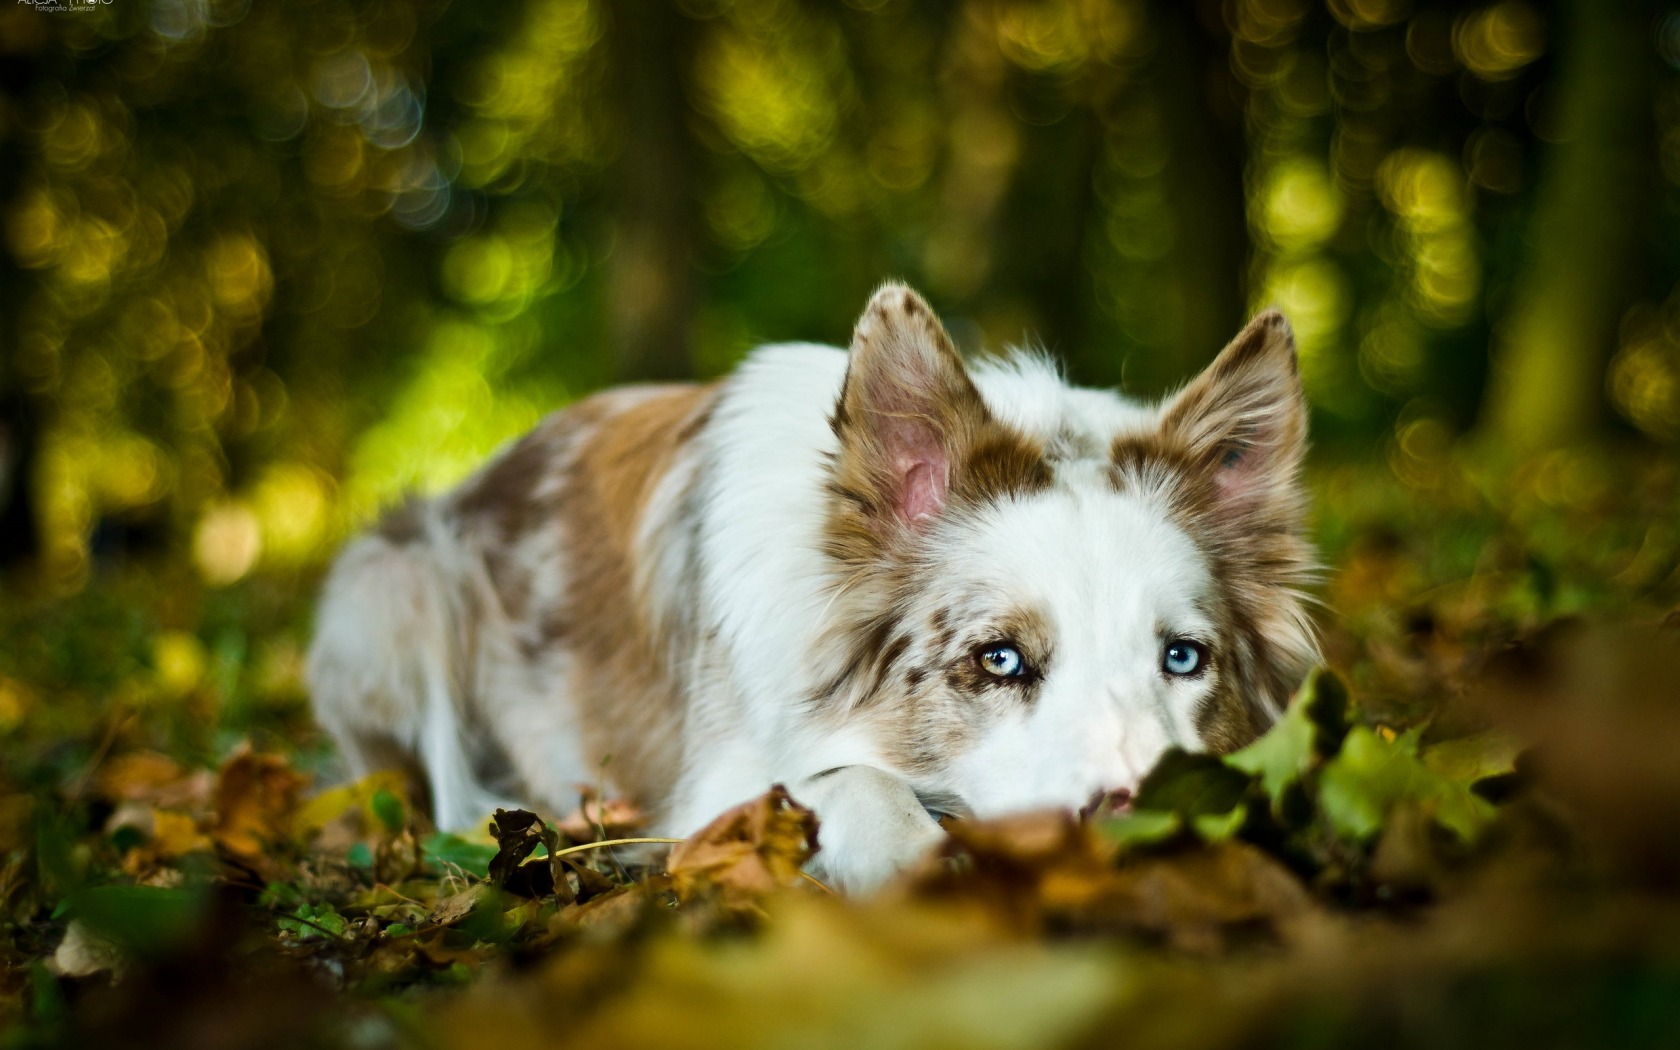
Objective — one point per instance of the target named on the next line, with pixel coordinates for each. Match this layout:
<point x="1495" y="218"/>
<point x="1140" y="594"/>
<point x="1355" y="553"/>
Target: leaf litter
<point x="1462" y="834"/>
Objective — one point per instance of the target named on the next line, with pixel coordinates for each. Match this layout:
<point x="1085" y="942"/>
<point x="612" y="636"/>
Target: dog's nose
<point x="1107" y="803"/>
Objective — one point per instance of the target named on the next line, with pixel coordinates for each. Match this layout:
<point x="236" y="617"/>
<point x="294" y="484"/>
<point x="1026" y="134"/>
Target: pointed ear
<point x="908" y="413"/>
<point x="1244" y="419"/>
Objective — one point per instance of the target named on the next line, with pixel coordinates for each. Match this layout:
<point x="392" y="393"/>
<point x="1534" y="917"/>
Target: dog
<point x="901" y="585"/>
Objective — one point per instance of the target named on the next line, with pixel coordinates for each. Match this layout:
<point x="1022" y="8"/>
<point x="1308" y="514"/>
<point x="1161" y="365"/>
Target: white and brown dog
<point x="892" y="582"/>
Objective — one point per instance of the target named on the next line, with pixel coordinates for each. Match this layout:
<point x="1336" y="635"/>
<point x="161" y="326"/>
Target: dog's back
<point x="493" y="638"/>
<point x="851" y="573"/>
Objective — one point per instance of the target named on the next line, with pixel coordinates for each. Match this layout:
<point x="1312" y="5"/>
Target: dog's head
<point x="1039" y="591"/>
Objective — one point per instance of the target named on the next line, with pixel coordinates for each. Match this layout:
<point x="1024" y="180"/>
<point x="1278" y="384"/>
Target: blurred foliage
<point x="264" y="268"/>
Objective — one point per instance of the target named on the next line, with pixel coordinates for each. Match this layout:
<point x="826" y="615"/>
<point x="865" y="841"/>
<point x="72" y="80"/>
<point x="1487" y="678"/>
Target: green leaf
<point x="46" y="1001"/>
<point x="1217" y="827"/>
<point x="1472" y="758"/>
<point x="322" y="921"/>
<point x="1371" y="775"/>
<point x="1192" y="785"/>
<point x="447" y="850"/>
<point x="1312" y="729"/>
<point x="389" y="809"/>
<point x="1327" y="707"/>
<point x="280" y="895"/>
<point x="1139" y="828"/>
<point x="55" y="859"/>
<point x="145" y="919"/>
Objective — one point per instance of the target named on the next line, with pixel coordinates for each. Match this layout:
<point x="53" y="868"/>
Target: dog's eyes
<point x="1183" y="657"/>
<point x="1005" y="661"/>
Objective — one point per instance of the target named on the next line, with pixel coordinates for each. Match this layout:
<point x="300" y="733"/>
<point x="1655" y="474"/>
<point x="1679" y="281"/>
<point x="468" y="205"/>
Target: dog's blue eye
<point x="1003" y="660"/>
<point x="1183" y="657"/>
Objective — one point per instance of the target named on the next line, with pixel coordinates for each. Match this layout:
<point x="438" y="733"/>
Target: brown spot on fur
<point x="504" y="493"/>
<point x="906" y="391"/>
<point x="888" y="659"/>
<point x="1004" y="464"/>
<point x="404" y="524"/>
<point x="874" y="648"/>
<point x="505" y="497"/>
<point x="1226" y="462"/>
<point x="630" y="708"/>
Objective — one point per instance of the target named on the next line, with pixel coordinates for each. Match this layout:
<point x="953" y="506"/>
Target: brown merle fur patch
<point x="905" y="387"/>
<point x="629" y="706"/>
<point x="403" y="524"/>
<point x="590" y="473"/>
<point x="1226" y="459"/>
<point x="906" y="383"/>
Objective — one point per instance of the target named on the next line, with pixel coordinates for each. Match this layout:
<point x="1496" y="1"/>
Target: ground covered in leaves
<point x="1466" y="831"/>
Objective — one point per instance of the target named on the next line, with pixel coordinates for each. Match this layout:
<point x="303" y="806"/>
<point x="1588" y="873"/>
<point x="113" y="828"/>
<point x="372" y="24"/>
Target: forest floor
<point x="1465" y="832"/>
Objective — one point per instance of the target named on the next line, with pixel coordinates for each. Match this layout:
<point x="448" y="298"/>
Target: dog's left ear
<point x="1244" y="419"/>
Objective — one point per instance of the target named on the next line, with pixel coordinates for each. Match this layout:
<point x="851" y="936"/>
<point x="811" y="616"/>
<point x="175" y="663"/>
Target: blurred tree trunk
<point x="1204" y="188"/>
<point x="652" y="270"/>
<point x="1546" y="387"/>
<point x="20" y="416"/>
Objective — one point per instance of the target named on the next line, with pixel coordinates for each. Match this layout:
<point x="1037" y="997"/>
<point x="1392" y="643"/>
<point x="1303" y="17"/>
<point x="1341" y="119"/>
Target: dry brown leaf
<point x="1599" y="701"/>
<point x="1192" y="898"/>
<point x="256" y="800"/>
<point x="147" y="776"/>
<point x="136" y="775"/>
<point x="597" y="818"/>
<point x="747" y="852"/>
<point x="451" y="910"/>
<point x="1008" y="865"/>
<point x="1048" y="869"/>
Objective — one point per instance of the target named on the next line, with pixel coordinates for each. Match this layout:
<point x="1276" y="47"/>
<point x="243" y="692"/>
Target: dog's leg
<point x="459" y="802"/>
<point x="386" y="668"/>
<point x="873" y="825"/>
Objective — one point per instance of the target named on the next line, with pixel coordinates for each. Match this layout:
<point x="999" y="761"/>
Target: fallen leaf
<point x="147" y="776"/>
<point x="256" y="801"/>
<point x="1311" y="730"/>
<point x="83" y="952"/>
<point x="336" y="802"/>
<point x="1193" y="897"/>
<point x="747" y="852"/>
<point x="597" y="818"/>
<point x="1370" y="776"/>
<point x="452" y="909"/>
<point x="176" y="834"/>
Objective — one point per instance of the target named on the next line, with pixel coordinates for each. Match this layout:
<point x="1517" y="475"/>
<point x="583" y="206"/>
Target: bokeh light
<point x="273" y="269"/>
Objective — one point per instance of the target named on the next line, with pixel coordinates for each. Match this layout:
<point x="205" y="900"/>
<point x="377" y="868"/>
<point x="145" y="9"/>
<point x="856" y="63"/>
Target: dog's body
<point x="888" y="581"/>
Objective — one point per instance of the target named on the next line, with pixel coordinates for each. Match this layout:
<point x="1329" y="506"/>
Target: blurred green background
<point x="266" y="267"/>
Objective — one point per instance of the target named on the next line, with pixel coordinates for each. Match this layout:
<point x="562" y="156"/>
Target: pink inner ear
<point x="922" y="468"/>
<point x="1240" y="477"/>
<point x="923" y="493"/>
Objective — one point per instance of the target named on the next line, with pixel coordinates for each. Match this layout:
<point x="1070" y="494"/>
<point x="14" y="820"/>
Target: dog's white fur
<point x="811" y="586"/>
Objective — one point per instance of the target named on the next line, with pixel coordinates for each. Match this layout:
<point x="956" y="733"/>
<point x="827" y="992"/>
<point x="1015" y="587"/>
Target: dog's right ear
<point x="908" y="413"/>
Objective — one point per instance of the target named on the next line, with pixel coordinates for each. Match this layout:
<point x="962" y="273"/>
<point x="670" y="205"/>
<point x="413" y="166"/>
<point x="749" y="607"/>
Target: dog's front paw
<point x="860" y="859"/>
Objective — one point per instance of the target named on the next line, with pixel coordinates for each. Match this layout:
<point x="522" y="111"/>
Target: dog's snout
<point x="1107" y="803"/>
